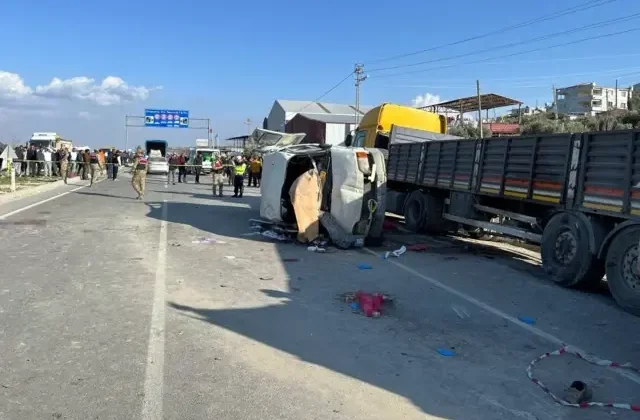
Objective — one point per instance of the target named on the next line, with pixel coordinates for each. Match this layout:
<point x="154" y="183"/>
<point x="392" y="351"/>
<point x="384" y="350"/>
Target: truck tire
<point x="433" y="221"/>
<point x="623" y="273"/>
<point x="566" y="257"/>
<point x="414" y="211"/>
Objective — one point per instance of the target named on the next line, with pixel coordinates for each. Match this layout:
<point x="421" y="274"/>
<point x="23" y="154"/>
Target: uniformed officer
<point x="139" y="169"/>
<point x="94" y="162"/>
<point x="218" y="174"/>
<point x="64" y="163"/>
<point x="238" y="181"/>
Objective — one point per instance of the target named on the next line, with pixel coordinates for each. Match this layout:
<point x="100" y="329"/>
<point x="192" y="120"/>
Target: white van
<point x="353" y="191"/>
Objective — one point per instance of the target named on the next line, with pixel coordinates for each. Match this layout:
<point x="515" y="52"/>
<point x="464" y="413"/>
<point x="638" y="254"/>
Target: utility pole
<point x="555" y="101"/>
<point x="616" y="105"/>
<point x="360" y="77"/>
<point x="479" y="108"/>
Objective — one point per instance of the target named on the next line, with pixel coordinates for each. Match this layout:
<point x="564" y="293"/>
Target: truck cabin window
<point x="358" y="141"/>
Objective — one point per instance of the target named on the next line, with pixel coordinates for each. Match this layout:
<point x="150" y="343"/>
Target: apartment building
<point x="590" y="99"/>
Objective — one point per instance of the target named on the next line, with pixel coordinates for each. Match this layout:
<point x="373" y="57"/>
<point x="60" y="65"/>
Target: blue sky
<point x="229" y="61"/>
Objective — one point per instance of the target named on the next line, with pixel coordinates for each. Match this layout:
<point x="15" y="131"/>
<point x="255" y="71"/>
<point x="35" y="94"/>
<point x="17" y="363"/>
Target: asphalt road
<point x="111" y="308"/>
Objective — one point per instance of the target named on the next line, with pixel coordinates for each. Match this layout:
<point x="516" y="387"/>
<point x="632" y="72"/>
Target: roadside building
<point x="322" y="129"/>
<point x="590" y="99"/>
<point x="283" y="111"/>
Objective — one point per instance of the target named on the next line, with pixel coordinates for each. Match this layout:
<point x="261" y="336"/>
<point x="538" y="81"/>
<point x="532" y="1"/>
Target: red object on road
<point x="371" y="303"/>
<point x="389" y="225"/>
<point x="417" y="247"/>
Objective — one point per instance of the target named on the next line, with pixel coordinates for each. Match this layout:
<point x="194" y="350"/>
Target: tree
<point x="468" y="131"/>
<point x="634" y="102"/>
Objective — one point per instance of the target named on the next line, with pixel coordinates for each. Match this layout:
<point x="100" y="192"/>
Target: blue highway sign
<point x="166" y="118"/>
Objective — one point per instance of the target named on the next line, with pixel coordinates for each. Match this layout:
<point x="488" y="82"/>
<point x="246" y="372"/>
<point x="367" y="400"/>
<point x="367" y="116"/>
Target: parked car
<point x="158" y="165"/>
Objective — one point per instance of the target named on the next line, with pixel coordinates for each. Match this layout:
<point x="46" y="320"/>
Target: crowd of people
<point x="224" y="169"/>
<point x="34" y="161"/>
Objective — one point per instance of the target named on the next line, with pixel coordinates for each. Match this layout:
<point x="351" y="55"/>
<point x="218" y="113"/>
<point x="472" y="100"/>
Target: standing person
<point x="139" y="169"/>
<point x="250" y="171"/>
<point x="238" y="181"/>
<point x="46" y="157"/>
<point x="32" y="157"/>
<point x="101" y="160"/>
<point x="86" y="163"/>
<point x="40" y="161"/>
<point x="228" y="168"/>
<point x="182" y="168"/>
<point x="218" y="174"/>
<point x="80" y="162"/>
<point x="64" y="163"/>
<point x="73" y="165"/>
<point x="197" y="166"/>
<point x="108" y="155"/>
<point x="256" y="171"/>
<point x="173" y="162"/>
<point x="114" y="160"/>
<point x="94" y="161"/>
<point x="55" y="161"/>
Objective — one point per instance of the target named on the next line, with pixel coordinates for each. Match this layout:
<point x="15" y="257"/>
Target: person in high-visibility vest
<point x="238" y="180"/>
<point x="139" y="169"/>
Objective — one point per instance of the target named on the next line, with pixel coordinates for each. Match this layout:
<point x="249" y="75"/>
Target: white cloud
<point x="12" y="86"/>
<point x="425" y="100"/>
<point x="111" y="91"/>
<point x="85" y="115"/>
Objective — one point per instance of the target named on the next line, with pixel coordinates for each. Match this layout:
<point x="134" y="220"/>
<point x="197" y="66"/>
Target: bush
<point x="467" y="130"/>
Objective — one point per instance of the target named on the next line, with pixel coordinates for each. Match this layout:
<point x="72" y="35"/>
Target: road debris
<point x="395" y="253"/>
<point x="389" y="225"/>
<point x="274" y="235"/>
<point x="417" y="247"/>
<point x="446" y="352"/>
<point x="290" y="259"/>
<point x="365" y="266"/>
<point x="580" y="398"/>
<point x="461" y="312"/>
<point x="527" y="320"/>
<point x="266" y="278"/>
<point x="315" y="248"/>
<point x="370" y="304"/>
<point x="339" y="237"/>
<point x="577" y="393"/>
<point x="230" y="257"/>
<point x="207" y="241"/>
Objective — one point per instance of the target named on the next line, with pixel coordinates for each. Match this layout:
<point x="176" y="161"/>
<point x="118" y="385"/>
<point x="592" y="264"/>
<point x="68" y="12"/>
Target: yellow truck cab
<point x="375" y="126"/>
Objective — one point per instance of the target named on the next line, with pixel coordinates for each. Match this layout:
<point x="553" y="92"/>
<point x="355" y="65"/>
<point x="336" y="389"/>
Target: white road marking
<point x="536" y="331"/>
<point x="30" y="206"/>
<point x="154" y="373"/>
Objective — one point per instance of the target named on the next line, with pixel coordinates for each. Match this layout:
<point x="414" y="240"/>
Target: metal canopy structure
<point x="473" y="103"/>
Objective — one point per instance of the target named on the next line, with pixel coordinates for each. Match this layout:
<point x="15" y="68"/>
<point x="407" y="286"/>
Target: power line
<point x="549" y="60"/>
<point x="574" y="9"/>
<point x="577" y="41"/>
<point x="513" y="44"/>
<point x="530" y="78"/>
<point x="328" y="92"/>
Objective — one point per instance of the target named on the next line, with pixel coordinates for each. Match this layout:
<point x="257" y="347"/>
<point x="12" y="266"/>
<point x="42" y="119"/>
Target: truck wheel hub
<point x="566" y="247"/>
<point x="630" y="273"/>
